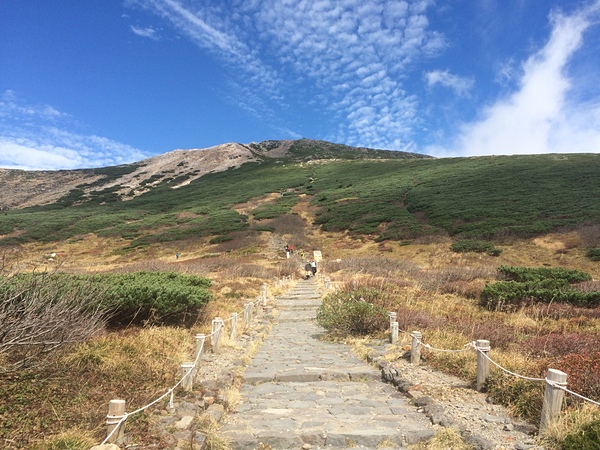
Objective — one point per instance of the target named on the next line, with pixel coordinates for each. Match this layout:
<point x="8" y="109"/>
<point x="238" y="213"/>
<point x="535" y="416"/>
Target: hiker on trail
<point x="308" y="270"/>
<point x="313" y="268"/>
<point x="176" y="255"/>
<point x="287" y="251"/>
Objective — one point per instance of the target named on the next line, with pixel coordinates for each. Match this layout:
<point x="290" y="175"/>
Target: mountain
<point x="226" y="191"/>
<point x="179" y="167"/>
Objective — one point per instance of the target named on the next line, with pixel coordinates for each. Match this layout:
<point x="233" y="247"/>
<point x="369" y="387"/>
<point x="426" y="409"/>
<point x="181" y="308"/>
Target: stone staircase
<point x="302" y="392"/>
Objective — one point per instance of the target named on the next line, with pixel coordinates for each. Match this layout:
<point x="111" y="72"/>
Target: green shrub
<point x="350" y="313"/>
<point x="475" y="246"/>
<point x="523" y="398"/>
<point x="545" y="285"/>
<point x="138" y="298"/>
<point x="593" y="254"/>
<point x="220" y="239"/>
<point x="524" y="274"/>
<point x="586" y="438"/>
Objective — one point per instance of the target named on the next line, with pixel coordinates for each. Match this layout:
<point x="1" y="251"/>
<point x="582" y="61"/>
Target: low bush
<point x="476" y="246"/>
<point x="535" y="274"/>
<point x="559" y="344"/>
<point x="546" y="285"/>
<point x="583" y="370"/>
<point x="133" y="298"/>
<point x="353" y="313"/>
<point x="524" y="398"/>
<point x="220" y="239"/>
<point x="585" y="438"/>
<point x="593" y="254"/>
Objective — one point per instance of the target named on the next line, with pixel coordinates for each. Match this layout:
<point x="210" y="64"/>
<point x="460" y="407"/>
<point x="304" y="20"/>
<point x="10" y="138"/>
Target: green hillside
<point x="397" y="199"/>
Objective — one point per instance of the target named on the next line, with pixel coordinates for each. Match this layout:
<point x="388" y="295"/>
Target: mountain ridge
<point x="22" y="189"/>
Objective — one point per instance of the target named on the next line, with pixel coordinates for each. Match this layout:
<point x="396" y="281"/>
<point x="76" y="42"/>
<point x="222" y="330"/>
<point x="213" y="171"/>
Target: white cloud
<point x="39" y="137"/>
<point x="539" y="116"/>
<point x="147" y="32"/>
<point x="460" y="85"/>
<point x="276" y="47"/>
<point x="353" y="52"/>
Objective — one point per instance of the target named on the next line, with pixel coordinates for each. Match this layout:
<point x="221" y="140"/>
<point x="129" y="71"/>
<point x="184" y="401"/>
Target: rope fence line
<point x="117" y="416"/>
<point x="556" y="380"/>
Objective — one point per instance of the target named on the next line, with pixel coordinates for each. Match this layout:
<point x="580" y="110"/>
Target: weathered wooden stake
<point x="116" y="411"/>
<point x="250" y="312"/>
<point x="187" y="375"/>
<point x="415" y="351"/>
<point x="234" y="321"/>
<point x="483" y="364"/>
<point x="393" y="318"/>
<point x="264" y="294"/>
<point x="217" y="330"/>
<point x="553" y="397"/>
<point x="200" y="339"/>
<point x="394" y="336"/>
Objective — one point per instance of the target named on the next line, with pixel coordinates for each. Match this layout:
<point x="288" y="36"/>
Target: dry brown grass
<point x="569" y="421"/>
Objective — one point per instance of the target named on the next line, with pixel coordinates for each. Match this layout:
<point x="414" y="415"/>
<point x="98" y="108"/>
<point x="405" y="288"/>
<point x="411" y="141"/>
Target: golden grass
<point x="444" y="439"/>
<point x="569" y="422"/>
<point x="73" y="439"/>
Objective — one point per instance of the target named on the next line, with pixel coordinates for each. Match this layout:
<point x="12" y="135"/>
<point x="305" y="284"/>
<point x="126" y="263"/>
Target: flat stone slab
<point x="301" y="390"/>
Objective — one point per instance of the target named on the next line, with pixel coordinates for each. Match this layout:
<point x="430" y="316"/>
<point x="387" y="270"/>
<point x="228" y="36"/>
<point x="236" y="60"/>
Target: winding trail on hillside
<point x="303" y="392"/>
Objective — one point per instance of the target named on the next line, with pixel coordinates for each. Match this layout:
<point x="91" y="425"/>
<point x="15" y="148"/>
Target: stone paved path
<point x="301" y="392"/>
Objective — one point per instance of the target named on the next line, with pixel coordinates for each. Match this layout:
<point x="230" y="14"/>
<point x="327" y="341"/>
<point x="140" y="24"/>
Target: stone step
<point x="300" y="390"/>
<point x="326" y="414"/>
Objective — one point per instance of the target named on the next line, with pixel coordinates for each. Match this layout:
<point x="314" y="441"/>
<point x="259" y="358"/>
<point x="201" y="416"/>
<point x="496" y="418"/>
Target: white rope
<point x="443" y="350"/>
<point x="433" y="348"/>
<point x="171" y="391"/>
<point x="559" y="386"/>
<point x="502" y="368"/>
<point x="472" y="345"/>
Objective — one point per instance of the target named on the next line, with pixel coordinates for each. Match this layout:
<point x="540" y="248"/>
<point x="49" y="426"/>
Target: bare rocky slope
<point x="20" y="188"/>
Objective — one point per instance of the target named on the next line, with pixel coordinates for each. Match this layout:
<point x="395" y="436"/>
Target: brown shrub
<point x="583" y="371"/>
<point x="290" y="224"/>
<point x="499" y="334"/>
<point x="380" y="266"/>
<point x="589" y="235"/>
<point x="466" y="289"/>
<point x="410" y="319"/>
<point x="435" y="279"/>
<point x="557" y="311"/>
<point x="588" y="286"/>
<point x="241" y="239"/>
<point x="559" y="345"/>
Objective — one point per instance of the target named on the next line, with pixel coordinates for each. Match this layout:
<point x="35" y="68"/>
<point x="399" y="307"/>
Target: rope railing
<point x="555" y="379"/>
<point x="117" y="416"/>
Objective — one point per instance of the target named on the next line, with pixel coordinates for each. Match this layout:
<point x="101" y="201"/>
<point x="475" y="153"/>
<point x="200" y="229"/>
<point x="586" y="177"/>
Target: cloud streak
<point x="539" y="116"/>
<point x="348" y="55"/>
<point x="35" y="137"/>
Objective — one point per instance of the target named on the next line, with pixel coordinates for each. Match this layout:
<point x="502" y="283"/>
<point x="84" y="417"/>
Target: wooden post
<point x="217" y="329"/>
<point x="116" y="412"/>
<point x="393" y="318"/>
<point x="258" y="307"/>
<point x="200" y="339"/>
<point x="234" y="321"/>
<point x="187" y="375"/>
<point x="247" y="315"/>
<point x="553" y="397"/>
<point x="483" y="363"/>
<point x="264" y="294"/>
<point x="394" y="337"/>
<point x="415" y="351"/>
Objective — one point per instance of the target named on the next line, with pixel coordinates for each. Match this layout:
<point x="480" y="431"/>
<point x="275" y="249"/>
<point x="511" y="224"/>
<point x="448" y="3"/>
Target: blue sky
<point x="98" y="83"/>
